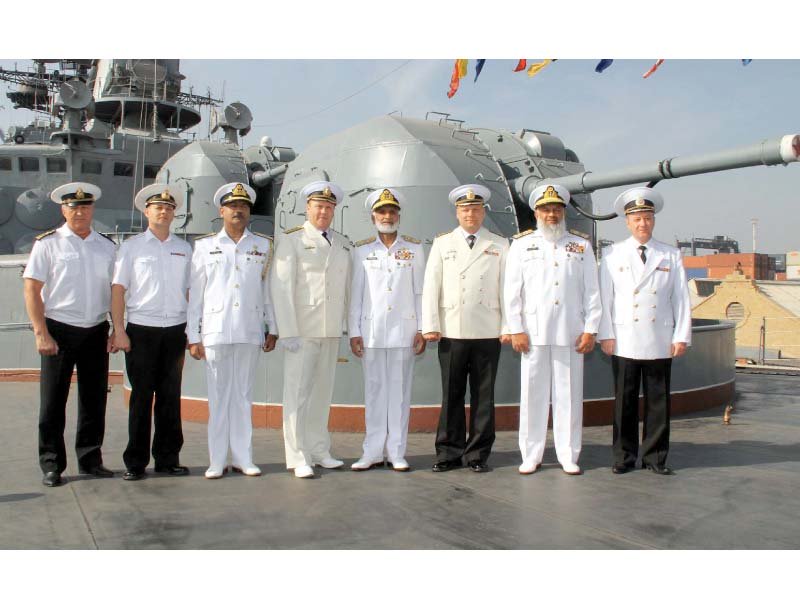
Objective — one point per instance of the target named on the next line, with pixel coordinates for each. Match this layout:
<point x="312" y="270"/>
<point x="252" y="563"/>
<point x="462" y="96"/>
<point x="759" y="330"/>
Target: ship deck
<point x="735" y="487"/>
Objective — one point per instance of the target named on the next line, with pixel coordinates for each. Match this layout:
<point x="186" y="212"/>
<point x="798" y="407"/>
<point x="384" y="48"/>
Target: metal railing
<point x="778" y="327"/>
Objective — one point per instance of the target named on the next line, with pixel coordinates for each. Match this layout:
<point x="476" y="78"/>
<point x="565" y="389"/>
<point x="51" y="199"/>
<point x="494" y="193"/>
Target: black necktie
<point x="325" y="235"/>
<point x="642" y="250"/>
<point x="471" y="241"/>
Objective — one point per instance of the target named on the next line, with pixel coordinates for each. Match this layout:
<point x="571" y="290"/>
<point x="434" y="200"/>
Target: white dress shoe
<point x="364" y="464"/>
<point x="214" y="473"/>
<point x="528" y="467"/>
<point x="304" y="472"/>
<point x="329" y="463"/>
<point x="400" y="464"/>
<point x="249" y="470"/>
<point x="571" y="468"/>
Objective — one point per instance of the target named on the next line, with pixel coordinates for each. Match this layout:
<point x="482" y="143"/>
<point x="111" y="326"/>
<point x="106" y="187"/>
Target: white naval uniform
<point x="552" y="294"/>
<point x="646" y="307"/>
<point x="77" y="276"/>
<point x="229" y="306"/>
<point x="155" y="276"/>
<point x="386" y="312"/>
<point x="310" y="293"/>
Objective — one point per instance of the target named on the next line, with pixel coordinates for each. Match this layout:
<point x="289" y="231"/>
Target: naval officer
<point x="67" y="296"/>
<point x="462" y="309"/>
<point x="385" y="328"/>
<point x="646" y="323"/>
<point x="230" y="318"/>
<point x="151" y="284"/>
<point x="310" y="290"/>
<point x="552" y="301"/>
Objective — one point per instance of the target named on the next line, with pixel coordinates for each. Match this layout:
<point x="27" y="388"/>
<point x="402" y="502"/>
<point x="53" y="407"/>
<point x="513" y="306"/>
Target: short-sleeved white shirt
<point x="155" y="275"/>
<point x="76" y="274"/>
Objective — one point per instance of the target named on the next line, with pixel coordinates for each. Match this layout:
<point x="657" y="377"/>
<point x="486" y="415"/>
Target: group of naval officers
<point x="237" y="294"/>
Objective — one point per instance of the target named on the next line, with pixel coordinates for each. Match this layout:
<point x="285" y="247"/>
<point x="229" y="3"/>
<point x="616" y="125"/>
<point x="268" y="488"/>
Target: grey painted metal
<point x="774" y="151"/>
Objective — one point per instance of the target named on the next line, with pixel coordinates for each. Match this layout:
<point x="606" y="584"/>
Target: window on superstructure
<point x="150" y="171"/>
<point x="91" y="167"/>
<point x="123" y="169"/>
<point x="28" y="163"/>
<point x="56" y="165"/>
<point x="5" y="163"/>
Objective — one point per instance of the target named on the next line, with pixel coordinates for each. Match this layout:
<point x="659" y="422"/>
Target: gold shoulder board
<point x="293" y="229"/>
<point x="369" y="240"/>
<point x="516" y="236"/>
<point x="200" y="237"/>
<point x="262" y="235"/>
<point x="41" y="236"/>
<point x="441" y="234"/>
<point x="410" y="239"/>
<point x="579" y="233"/>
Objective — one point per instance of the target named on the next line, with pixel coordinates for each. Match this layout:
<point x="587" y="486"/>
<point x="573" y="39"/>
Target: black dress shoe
<point x="658" y="469"/>
<point x="446" y="465"/>
<point x="97" y="471"/>
<point x="52" y="479"/>
<point x="478" y="466"/>
<point x="174" y="470"/>
<point x="133" y="474"/>
<point x="620" y="469"/>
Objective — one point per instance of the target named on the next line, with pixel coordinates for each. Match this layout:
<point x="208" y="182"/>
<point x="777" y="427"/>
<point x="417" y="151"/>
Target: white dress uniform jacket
<point x="551" y="290"/>
<point x="463" y="291"/>
<point x="310" y="283"/>
<point x="76" y="274"/>
<point x="229" y="299"/>
<point x="386" y="293"/>
<point x="646" y="307"/>
<point x="155" y="275"/>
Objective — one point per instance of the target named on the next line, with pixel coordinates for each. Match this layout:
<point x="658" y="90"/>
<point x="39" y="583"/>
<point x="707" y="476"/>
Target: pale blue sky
<point x="610" y="120"/>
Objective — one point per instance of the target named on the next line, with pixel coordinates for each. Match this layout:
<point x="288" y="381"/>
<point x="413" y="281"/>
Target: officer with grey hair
<point x="385" y="324"/>
<point x="67" y="296"/>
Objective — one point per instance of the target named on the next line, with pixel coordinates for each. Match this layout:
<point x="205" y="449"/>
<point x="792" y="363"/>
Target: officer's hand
<point x="607" y="346"/>
<point x="585" y="343"/>
<point x="291" y="344"/>
<point x="270" y="342"/>
<point x="432" y="336"/>
<point x="678" y="349"/>
<point x="120" y="341"/>
<point x="110" y="344"/>
<point x="520" y="342"/>
<point x="197" y="351"/>
<point x="46" y="345"/>
<point x="505" y="338"/>
<point x="419" y="343"/>
<point x="357" y="346"/>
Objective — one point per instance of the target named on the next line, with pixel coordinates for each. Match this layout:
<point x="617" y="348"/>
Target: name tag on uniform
<point x="372" y="258"/>
<point x="177" y="254"/>
<point x="534" y="247"/>
<point x="491" y="252"/>
<point x="309" y="247"/>
<point x="666" y="269"/>
<point x="215" y="252"/>
<point x="255" y="252"/>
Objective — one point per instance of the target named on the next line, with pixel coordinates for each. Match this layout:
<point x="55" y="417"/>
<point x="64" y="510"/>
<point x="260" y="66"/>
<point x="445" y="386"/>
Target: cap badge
<point x="640" y="202"/>
<point x="387" y="196"/>
<point x="470" y="194"/>
<point x="79" y="195"/>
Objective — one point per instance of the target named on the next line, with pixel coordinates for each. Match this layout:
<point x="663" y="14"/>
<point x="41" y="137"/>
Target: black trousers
<point x="460" y="360"/>
<point x="155" y="368"/>
<point x="628" y="374"/>
<point x="83" y="348"/>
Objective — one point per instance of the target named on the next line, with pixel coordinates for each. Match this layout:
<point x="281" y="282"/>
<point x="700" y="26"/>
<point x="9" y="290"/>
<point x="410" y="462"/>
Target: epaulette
<point x="516" y="236"/>
<point x="441" y="234"/>
<point x="369" y="240"/>
<point x="108" y="238"/>
<point x="41" y="236"/>
<point x="585" y="236"/>
<point x="410" y="239"/>
<point x="293" y="229"/>
<point x="262" y="235"/>
<point x="200" y="237"/>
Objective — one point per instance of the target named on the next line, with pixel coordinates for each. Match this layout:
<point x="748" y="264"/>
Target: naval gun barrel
<point x="774" y="151"/>
<point x="262" y="178"/>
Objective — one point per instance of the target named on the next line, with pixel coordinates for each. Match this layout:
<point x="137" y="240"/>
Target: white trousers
<point x="551" y="374"/>
<point x="307" y="391"/>
<point x="230" y="370"/>
<point x="388" y="375"/>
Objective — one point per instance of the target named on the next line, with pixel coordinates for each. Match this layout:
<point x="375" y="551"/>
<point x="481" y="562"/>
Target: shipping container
<point x="792" y="272"/>
<point x="793" y="258"/>
<point x="694" y="273"/>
